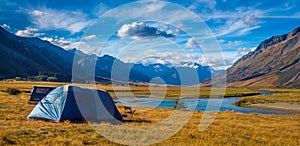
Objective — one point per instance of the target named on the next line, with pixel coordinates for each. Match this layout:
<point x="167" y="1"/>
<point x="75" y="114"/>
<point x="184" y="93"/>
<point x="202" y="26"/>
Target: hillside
<point x="274" y="63"/>
<point x="28" y="56"/>
<point x="23" y="57"/>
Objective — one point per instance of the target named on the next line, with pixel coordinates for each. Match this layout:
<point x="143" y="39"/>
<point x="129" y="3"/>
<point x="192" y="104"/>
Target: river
<point x="196" y="104"/>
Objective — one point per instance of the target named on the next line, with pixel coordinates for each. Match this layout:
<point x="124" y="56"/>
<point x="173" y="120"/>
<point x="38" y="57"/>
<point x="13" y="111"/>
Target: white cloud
<point x="215" y="60"/>
<point x="152" y="10"/>
<point x="253" y="49"/>
<point x="206" y="3"/>
<point x="155" y="6"/>
<point x="220" y="63"/>
<point x="29" y="32"/>
<point x="170" y="58"/>
<point x="242" y="20"/>
<point x="250" y="20"/>
<point x="234" y="28"/>
<point x="243" y="51"/>
<point x="50" y="19"/>
<point x="139" y="30"/>
<point x="237" y="22"/>
<point x="89" y="37"/>
<point x="221" y="40"/>
<point x="191" y="43"/>
<point x="100" y="9"/>
<point x="61" y="42"/>
<point x="247" y="30"/>
<point x="290" y="5"/>
<point x="5" y="26"/>
<point x="70" y="44"/>
<point x="233" y="43"/>
<point x="37" y="13"/>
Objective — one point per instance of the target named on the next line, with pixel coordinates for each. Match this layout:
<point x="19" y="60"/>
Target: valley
<point x="240" y="129"/>
<point x="150" y="72"/>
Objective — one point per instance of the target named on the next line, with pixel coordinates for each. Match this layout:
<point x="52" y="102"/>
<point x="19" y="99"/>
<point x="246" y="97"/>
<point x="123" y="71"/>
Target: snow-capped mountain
<point x="21" y="56"/>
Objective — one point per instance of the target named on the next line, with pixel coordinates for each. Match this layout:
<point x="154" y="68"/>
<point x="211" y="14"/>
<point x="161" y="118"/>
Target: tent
<point x="73" y="103"/>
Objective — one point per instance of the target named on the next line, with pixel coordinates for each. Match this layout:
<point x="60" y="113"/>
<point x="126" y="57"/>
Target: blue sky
<point x="238" y="25"/>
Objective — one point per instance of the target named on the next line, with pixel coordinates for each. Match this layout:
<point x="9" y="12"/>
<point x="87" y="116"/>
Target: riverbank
<point x="285" y="100"/>
<point x="288" y="108"/>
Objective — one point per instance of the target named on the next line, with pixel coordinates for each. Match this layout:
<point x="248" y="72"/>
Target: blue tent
<point x="73" y="103"/>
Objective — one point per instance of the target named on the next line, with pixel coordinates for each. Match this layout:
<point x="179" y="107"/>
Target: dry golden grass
<point x="125" y="91"/>
<point x="283" y="95"/>
<point x="177" y="92"/>
<point x="229" y="128"/>
<point x="281" y="90"/>
<point x="26" y="86"/>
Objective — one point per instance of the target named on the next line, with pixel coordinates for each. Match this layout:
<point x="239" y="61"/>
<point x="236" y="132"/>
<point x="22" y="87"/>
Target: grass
<point x="229" y="128"/>
<point x="283" y="95"/>
<point x="185" y="92"/>
<point x="170" y="92"/>
<point x="26" y="86"/>
<point x="281" y="90"/>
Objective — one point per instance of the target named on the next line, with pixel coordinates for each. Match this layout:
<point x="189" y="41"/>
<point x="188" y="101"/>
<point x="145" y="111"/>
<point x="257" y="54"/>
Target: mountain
<point x="118" y="70"/>
<point x="193" y="74"/>
<point x="274" y="63"/>
<point x="23" y="57"/>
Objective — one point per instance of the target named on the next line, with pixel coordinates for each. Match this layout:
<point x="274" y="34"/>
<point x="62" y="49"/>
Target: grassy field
<point x="229" y="128"/>
<point x="281" y="90"/>
<point x="283" y="95"/>
<point x="169" y="92"/>
<point x="174" y="92"/>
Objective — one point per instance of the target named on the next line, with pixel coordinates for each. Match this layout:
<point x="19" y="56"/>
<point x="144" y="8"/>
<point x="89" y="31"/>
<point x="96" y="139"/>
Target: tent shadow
<point x="79" y="121"/>
<point x="138" y="120"/>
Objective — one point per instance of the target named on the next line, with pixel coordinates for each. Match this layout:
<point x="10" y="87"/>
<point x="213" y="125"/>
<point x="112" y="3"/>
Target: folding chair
<point x="128" y="111"/>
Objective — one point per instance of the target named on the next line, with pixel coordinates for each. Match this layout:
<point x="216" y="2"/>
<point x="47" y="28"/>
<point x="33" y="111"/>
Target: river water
<point x="196" y="104"/>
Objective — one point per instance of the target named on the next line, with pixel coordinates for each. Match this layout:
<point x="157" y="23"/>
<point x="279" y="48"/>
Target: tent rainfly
<point x="74" y="103"/>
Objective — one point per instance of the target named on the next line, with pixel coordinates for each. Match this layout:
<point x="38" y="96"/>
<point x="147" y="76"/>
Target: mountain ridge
<point x="23" y="56"/>
<point x="274" y="63"/>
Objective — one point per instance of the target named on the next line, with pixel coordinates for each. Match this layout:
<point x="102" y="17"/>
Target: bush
<point x="13" y="91"/>
<point x="41" y="78"/>
<point x="52" y="79"/>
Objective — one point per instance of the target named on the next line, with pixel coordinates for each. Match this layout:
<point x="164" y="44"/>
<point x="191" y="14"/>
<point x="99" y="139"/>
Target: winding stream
<point x="199" y="104"/>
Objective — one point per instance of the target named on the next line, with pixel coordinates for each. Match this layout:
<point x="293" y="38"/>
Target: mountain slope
<point x="28" y="56"/>
<point x="22" y="57"/>
<point x="171" y="75"/>
<point x="274" y="63"/>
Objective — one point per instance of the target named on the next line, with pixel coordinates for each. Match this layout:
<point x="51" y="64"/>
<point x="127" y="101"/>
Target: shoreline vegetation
<point x="249" y="95"/>
<point x="170" y="92"/>
<point x="286" y="100"/>
<point x="228" y="128"/>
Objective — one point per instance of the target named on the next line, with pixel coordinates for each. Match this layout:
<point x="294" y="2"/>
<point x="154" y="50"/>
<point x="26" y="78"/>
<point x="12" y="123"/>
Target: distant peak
<point x="294" y="32"/>
<point x="4" y="31"/>
<point x="107" y="56"/>
<point x="277" y="39"/>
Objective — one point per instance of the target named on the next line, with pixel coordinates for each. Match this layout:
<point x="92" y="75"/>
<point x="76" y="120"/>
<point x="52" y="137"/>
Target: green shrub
<point x="41" y="78"/>
<point x="13" y="91"/>
<point x="52" y="79"/>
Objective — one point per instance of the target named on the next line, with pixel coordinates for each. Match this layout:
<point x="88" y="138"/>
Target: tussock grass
<point x="176" y="92"/>
<point x="281" y="90"/>
<point x="229" y="128"/>
<point x="283" y="95"/>
<point x="25" y="86"/>
<point x="13" y="91"/>
<point x="171" y="92"/>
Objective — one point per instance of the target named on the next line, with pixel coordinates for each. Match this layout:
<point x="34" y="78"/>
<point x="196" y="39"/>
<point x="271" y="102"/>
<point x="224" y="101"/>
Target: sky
<point x="236" y="27"/>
